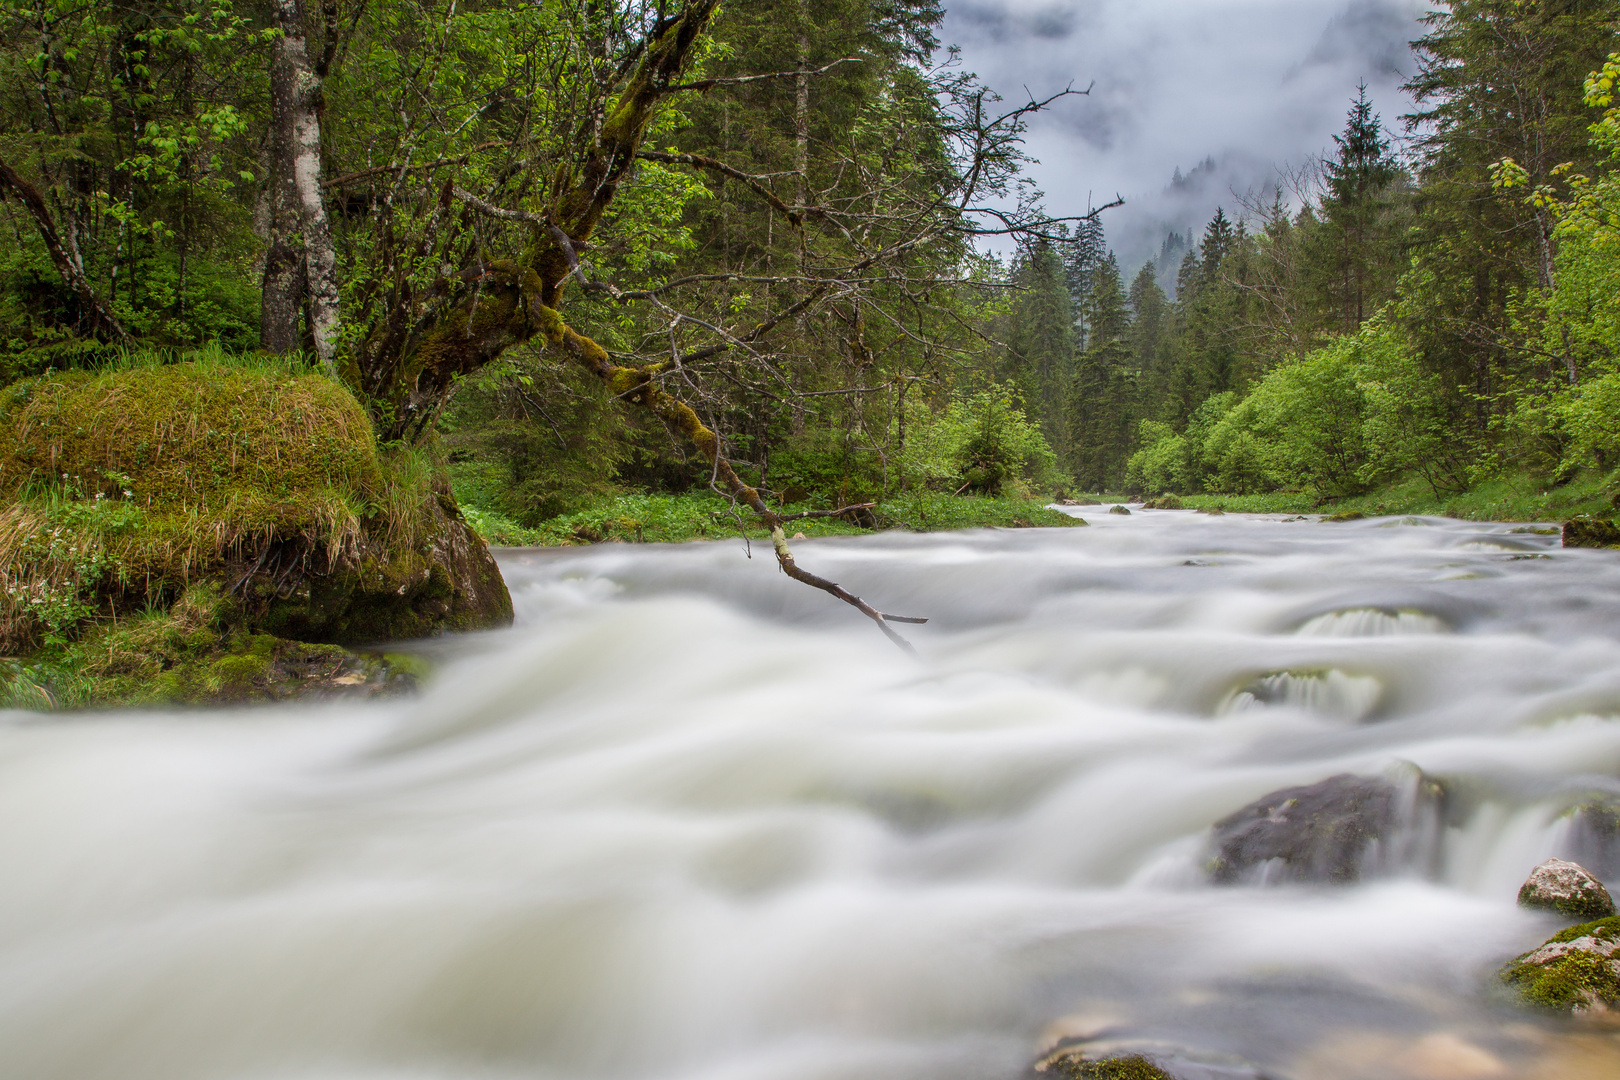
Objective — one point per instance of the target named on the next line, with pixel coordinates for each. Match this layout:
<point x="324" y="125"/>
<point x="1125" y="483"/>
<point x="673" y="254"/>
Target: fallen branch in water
<point x="639" y="386"/>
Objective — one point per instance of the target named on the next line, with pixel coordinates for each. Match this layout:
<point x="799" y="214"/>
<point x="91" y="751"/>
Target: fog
<point x="1234" y="94"/>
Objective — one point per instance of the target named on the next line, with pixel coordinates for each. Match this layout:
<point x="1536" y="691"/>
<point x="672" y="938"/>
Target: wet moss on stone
<point x="1591" y="532"/>
<point x="1131" y="1067"/>
<point x="1575" y="970"/>
<point x="127" y="489"/>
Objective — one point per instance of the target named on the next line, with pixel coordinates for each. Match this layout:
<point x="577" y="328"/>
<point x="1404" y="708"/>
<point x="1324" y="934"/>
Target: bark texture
<point x="300" y="270"/>
<point x="64" y="257"/>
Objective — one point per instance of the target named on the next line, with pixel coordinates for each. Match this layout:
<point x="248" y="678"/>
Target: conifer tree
<point x="1102" y="400"/>
<point x="1360" y="240"/>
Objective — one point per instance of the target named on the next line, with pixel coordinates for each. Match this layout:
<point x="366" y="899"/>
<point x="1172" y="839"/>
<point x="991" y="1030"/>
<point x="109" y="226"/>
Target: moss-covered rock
<point x="1567" y="888"/>
<point x="125" y="489"/>
<point x="1591" y="532"/>
<point x="1577" y="970"/>
<point x="1129" y="1067"/>
<point x="194" y="653"/>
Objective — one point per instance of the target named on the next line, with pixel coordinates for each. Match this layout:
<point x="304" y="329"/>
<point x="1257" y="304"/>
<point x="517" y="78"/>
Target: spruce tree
<point x="1360" y="242"/>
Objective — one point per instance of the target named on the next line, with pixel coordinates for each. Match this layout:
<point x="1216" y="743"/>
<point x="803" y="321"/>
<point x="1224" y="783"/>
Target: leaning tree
<point x="440" y="179"/>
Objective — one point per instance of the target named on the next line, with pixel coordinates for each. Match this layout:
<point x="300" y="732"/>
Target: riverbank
<point x="675" y="519"/>
<point x="1514" y="497"/>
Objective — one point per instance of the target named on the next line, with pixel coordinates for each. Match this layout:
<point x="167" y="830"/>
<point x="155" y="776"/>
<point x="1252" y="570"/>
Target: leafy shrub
<point x="982" y="443"/>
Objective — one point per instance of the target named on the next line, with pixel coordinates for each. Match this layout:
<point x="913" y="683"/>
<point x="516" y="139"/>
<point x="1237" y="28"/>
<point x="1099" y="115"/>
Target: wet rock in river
<point x="1591" y="532"/>
<point x="1335" y="831"/>
<point x="1119" y="508"/>
<point x="1567" y="888"/>
<point x="1138" y="1059"/>
<point x="1574" y="971"/>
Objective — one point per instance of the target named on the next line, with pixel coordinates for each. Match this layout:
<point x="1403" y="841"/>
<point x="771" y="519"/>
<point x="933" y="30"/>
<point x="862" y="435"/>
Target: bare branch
<point x="737" y="80"/>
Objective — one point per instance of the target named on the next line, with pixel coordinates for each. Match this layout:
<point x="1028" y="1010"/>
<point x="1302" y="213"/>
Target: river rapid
<point x="689" y="820"/>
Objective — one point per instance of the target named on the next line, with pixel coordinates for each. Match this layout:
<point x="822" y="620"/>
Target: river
<point x="692" y="821"/>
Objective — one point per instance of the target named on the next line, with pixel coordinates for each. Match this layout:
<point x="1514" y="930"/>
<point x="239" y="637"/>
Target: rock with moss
<point x="1164" y="502"/>
<point x="1331" y="832"/>
<point x="1567" y="888"/>
<point x="1345" y="515"/>
<point x="195" y="653"/>
<point x="1119" y="508"/>
<point x="125" y="489"/>
<point x="1591" y="532"/>
<point x="1131" y="1058"/>
<point x="1577" y="970"/>
<point x="1128" y="1067"/>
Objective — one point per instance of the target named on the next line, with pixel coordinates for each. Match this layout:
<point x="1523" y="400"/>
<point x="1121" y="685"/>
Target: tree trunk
<point x="301" y="265"/>
<point x="65" y="257"/>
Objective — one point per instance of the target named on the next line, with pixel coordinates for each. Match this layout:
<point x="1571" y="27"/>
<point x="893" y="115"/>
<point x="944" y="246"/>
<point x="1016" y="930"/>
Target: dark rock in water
<point x="1345" y="515"/>
<point x="1567" y="888"/>
<point x="1118" y="508"/>
<point x="1591" y="532"/>
<point x="391" y="590"/>
<point x="1213" y="511"/>
<point x="1594" y="839"/>
<point x="1138" y="1059"/>
<point x="1577" y="970"/>
<point x="1334" y="831"/>
<point x="1164" y="502"/>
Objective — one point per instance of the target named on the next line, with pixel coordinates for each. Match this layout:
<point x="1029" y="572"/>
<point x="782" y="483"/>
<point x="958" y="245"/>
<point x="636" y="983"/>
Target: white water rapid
<point x="692" y="821"/>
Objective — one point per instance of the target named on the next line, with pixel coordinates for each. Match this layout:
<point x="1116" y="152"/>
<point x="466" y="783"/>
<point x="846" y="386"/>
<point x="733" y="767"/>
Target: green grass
<point x="673" y="519"/>
<point x="1513" y="497"/>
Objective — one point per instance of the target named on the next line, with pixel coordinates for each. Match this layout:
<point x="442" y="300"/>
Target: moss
<point x="1131" y="1067"/>
<point x="1591" y="532"/>
<point x="1575" y="980"/>
<point x="1345" y="515"/>
<point x="128" y="488"/>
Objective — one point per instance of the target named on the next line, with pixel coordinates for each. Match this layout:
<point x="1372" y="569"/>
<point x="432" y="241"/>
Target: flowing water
<point x="691" y="821"/>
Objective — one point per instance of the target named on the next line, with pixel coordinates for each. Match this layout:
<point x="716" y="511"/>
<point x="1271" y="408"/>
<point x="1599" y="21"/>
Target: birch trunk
<point x="301" y="265"/>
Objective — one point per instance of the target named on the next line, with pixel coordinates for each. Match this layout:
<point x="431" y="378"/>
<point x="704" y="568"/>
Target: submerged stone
<point x="1591" y="532"/>
<point x="1577" y="970"/>
<point x="1567" y="888"/>
<point x="1119" y="508"/>
<point x="1334" y="831"/>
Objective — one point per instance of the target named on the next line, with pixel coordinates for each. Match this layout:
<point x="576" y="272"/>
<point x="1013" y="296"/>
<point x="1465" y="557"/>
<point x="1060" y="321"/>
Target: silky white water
<point x="691" y="820"/>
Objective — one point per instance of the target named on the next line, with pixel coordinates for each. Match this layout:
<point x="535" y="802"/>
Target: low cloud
<point x="1256" y="87"/>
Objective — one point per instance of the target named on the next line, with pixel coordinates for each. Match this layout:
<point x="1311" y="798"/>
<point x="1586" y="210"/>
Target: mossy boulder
<point x="194" y="653"/>
<point x="1567" y="888"/>
<point x="1129" y="1067"/>
<point x="1577" y="970"/>
<point x="126" y="488"/>
<point x="1345" y="515"/>
<point x="1591" y="532"/>
<point x="1119" y="508"/>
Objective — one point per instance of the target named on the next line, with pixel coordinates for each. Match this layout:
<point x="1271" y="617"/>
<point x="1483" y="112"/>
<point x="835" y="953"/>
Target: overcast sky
<point x="1255" y="85"/>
